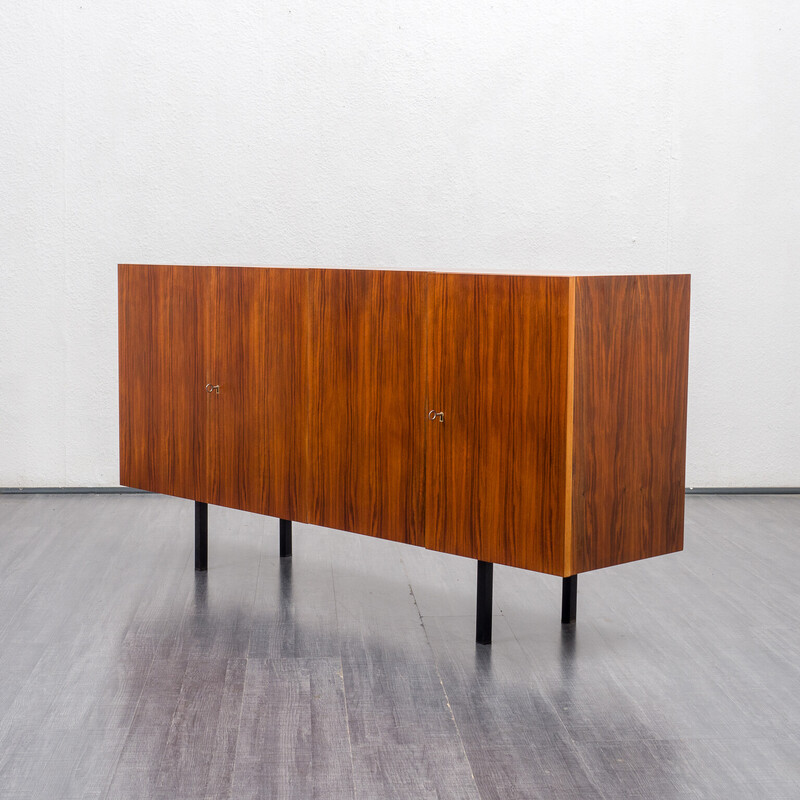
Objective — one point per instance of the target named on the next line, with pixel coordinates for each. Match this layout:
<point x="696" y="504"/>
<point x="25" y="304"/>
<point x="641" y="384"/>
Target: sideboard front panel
<point x="367" y="412"/>
<point x="162" y="405"/>
<point x="498" y="361"/>
<point x="257" y="437"/>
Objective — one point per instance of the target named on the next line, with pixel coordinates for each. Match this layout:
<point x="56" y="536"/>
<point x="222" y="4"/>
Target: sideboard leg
<point x="569" y="599"/>
<point x="483" y="619"/>
<point x="285" y="537"/>
<point x="201" y="536"/>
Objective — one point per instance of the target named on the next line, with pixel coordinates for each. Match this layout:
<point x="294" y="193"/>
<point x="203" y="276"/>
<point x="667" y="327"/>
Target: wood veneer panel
<point x="367" y="402"/>
<point x="257" y="438"/>
<point x="162" y="404"/>
<point x="498" y="357"/>
<point x="631" y="366"/>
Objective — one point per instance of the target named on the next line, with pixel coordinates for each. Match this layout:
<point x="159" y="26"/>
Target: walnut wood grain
<point x="495" y="468"/>
<point x="367" y="419"/>
<point x="162" y="350"/>
<point x="563" y="445"/>
<point x="629" y="433"/>
<point x="257" y="427"/>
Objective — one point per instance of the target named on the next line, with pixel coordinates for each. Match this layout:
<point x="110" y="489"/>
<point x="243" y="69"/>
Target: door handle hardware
<point x="432" y="415"/>
<point x="212" y="388"/>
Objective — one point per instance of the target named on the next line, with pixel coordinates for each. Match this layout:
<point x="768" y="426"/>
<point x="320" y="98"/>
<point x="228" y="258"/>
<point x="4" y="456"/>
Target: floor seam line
<point x="344" y="687"/>
<point x="441" y="683"/>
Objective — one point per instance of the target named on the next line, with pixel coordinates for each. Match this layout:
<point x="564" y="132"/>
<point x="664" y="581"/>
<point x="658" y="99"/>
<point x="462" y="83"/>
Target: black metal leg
<point x="201" y="536"/>
<point x="286" y="537"/>
<point x="483" y="619"/>
<point x="569" y="599"/>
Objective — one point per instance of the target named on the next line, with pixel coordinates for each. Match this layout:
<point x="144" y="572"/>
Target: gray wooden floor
<point x="350" y="670"/>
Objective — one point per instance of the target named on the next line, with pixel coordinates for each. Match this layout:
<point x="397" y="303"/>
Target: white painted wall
<point x="567" y="135"/>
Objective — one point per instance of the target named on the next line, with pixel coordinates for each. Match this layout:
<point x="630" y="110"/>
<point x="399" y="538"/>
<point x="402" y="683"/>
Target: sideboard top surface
<point x="555" y="273"/>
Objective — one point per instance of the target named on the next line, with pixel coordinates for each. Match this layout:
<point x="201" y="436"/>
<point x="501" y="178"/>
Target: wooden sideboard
<point x="534" y="421"/>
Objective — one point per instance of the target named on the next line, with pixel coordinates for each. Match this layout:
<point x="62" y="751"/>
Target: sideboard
<point x="533" y="421"/>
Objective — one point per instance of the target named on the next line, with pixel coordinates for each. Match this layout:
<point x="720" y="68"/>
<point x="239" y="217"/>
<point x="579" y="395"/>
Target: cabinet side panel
<point x="257" y="436"/>
<point x="367" y="402"/>
<point x="631" y="368"/>
<point x="496" y="466"/>
<point x="161" y="402"/>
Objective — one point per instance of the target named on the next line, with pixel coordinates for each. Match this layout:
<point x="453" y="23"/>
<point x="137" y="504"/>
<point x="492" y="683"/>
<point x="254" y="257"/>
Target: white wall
<point x="567" y="135"/>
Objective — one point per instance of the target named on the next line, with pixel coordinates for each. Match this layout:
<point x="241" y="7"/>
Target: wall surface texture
<point x="514" y="136"/>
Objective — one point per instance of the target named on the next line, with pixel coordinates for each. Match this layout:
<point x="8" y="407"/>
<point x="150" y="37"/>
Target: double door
<point x="210" y="364"/>
<point x="438" y="411"/>
<point x="421" y="407"/>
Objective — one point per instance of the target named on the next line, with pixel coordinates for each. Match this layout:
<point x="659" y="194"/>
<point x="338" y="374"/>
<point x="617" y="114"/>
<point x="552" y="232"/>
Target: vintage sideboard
<point x="535" y="421"/>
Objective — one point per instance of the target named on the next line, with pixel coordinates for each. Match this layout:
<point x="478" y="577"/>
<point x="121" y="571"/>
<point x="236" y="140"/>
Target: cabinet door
<point x="496" y="467"/>
<point x="367" y="401"/>
<point x="257" y="440"/>
<point x="162" y="405"/>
